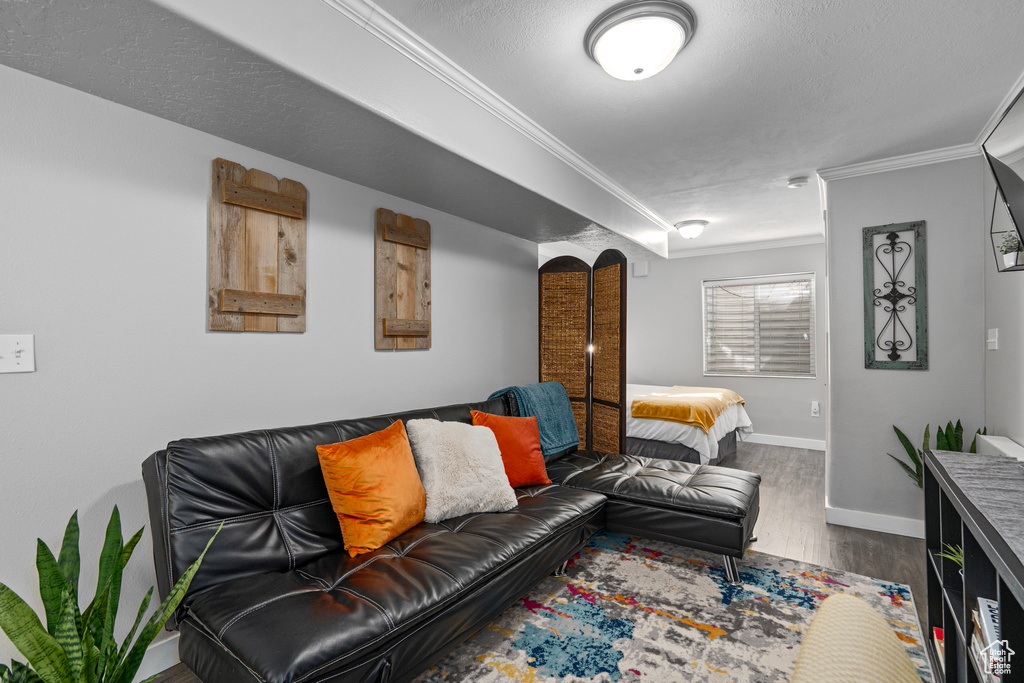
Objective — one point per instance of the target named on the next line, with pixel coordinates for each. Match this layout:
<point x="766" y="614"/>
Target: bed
<point x="675" y="441"/>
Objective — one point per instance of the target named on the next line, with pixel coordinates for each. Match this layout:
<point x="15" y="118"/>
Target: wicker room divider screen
<point x="583" y="343"/>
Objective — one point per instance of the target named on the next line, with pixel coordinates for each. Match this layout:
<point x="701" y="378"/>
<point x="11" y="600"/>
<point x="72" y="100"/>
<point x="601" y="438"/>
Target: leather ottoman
<point x="701" y="506"/>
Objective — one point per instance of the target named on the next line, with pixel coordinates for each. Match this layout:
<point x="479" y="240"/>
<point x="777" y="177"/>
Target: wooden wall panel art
<point x="257" y="270"/>
<point x="402" y="282"/>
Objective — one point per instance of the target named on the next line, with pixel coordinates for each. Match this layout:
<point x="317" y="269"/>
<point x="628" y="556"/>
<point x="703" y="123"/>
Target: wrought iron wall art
<point x="895" y="297"/>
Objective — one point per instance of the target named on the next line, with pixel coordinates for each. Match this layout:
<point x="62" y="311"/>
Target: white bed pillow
<point x="461" y="469"/>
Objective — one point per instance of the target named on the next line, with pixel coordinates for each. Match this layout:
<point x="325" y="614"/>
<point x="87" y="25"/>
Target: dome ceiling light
<point x="797" y="182"/>
<point x="638" y="39"/>
<point x="691" y="229"/>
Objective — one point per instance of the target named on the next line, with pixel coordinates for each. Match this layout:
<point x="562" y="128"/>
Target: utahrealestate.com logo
<point x="997" y="655"/>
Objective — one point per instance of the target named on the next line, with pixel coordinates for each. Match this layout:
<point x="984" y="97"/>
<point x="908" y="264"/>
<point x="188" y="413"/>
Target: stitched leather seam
<point x="352" y="571"/>
<point x="383" y="612"/>
<point x="277" y="500"/>
<point x="312" y="578"/>
<point x="162" y="475"/>
<point x="542" y="521"/>
<point x="205" y="632"/>
<point x="249" y="517"/>
<point x="691" y="509"/>
<point x="337" y="428"/>
<point x="490" y="540"/>
<point x="434" y="566"/>
<point x="257" y="608"/>
<point x="415" y="543"/>
<point x="437" y="608"/>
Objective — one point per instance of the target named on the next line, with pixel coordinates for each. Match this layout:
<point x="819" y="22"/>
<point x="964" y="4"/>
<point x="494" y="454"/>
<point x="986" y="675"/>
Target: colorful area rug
<point x="630" y="609"/>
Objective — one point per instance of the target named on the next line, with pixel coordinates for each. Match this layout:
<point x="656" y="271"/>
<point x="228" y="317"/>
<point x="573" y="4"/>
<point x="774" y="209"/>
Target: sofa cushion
<point x="374" y="487"/>
<point x="460" y="467"/>
<point x="719" y="492"/>
<point x="519" y="441"/>
<point x="339" y="609"/>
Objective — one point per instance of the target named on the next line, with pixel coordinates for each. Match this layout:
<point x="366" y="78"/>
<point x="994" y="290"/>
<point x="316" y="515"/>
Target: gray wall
<point x="1004" y="367"/>
<point x="103" y="258"/>
<point x="865" y="403"/>
<point x="665" y="335"/>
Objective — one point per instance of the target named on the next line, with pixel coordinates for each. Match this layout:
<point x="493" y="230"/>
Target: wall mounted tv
<point x="1004" y="150"/>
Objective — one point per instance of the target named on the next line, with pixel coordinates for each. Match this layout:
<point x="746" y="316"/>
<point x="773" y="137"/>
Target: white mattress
<point x="734" y="417"/>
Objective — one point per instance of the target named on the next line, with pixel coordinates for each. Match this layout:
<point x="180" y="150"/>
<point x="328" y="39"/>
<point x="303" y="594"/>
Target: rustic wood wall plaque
<point x="402" y="282"/>
<point x="257" y="275"/>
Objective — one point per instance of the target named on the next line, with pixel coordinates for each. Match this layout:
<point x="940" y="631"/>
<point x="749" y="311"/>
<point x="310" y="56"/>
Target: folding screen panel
<point x="608" y="392"/>
<point x="565" y="334"/>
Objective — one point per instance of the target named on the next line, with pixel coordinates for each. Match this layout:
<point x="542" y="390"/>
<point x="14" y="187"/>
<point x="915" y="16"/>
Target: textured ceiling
<point x="767" y="89"/>
<point x="149" y="58"/>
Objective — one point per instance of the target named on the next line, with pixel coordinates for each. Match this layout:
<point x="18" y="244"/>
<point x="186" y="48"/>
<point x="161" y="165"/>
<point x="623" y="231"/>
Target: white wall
<point x="103" y="253"/>
<point x="864" y="485"/>
<point x="1004" y="367"/>
<point x="665" y="335"/>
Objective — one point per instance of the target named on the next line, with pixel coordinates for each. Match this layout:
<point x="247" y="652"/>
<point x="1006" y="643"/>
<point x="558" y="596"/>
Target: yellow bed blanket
<point x="697" y="406"/>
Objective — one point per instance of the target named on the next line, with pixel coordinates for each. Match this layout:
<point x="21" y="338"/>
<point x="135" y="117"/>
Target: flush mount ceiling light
<point x="797" y="181"/>
<point x="691" y="229"/>
<point x="638" y="39"/>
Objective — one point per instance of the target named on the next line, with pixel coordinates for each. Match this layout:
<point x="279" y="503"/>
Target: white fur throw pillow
<point x="460" y="467"/>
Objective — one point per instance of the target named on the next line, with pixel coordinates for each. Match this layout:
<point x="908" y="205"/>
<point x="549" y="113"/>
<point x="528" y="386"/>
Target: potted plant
<point x="950" y="438"/>
<point x="76" y="646"/>
<point x="1009" y="248"/>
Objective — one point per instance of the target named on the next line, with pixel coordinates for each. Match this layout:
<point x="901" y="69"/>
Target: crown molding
<point x="379" y="23"/>
<point x="748" y="246"/>
<point x="997" y="116"/>
<point x="932" y="156"/>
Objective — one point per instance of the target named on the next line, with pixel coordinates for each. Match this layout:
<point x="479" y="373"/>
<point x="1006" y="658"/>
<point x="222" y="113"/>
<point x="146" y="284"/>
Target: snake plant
<point x="78" y="646"/>
<point x="948" y="438"/>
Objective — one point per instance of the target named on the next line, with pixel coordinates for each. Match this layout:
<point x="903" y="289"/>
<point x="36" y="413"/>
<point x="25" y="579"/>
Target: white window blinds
<point x="760" y="326"/>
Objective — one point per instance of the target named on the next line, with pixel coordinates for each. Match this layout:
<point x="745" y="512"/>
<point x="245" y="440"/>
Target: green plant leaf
<point x="26" y="632"/>
<point x="90" y="657"/>
<point x="108" y="589"/>
<point x="52" y="585"/>
<point x="126" y="670"/>
<point x="907" y="446"/>
<point x="958" y="437"/>
<point x="135" y="627"/>
<point x="916" y="475"/>
<point x="925" y="446"/>
<point x="129" y="547"/>
<point x="940" y="439"/>
<point x="18" y="673"/>
<point x="69" y="560"/>
<point x="67" y="634"/>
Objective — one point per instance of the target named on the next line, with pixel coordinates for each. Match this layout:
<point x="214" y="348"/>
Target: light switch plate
<point x="992" y="342"/>
<point x="17" y="353"/>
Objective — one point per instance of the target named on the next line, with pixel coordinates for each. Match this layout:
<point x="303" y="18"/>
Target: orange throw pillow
<point x="519" y="442"/>
<point x="374" y="487"/>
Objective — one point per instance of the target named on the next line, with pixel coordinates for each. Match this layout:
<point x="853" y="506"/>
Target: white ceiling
<point x="767" y="89"/>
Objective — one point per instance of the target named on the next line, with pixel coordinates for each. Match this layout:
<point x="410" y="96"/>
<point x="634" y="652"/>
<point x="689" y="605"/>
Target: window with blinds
<point x="761" y="326"/>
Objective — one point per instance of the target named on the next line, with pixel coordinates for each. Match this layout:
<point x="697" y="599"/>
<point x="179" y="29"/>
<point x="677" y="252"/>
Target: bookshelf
<point x="975" y="502"/>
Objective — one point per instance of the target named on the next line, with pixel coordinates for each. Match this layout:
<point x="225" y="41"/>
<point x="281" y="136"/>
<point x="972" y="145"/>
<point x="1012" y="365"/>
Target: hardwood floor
<point x="792" y="524"/>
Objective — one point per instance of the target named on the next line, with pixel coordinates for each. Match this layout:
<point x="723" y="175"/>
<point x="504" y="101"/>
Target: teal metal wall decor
<point x="895" y="297"/>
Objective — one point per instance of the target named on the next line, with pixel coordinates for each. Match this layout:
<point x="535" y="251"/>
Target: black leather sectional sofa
<point x="278" y="600"/>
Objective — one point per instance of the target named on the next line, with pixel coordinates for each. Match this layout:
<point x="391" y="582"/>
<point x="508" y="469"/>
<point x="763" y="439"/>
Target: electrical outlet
<point x="815" y="409"/>
<point x="17" y="353"/>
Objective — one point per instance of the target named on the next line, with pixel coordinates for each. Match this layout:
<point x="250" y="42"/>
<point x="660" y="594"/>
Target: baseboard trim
<point x="160" y="656"/>
<point x="791" y="441"/>
<point x="872" y="521"/>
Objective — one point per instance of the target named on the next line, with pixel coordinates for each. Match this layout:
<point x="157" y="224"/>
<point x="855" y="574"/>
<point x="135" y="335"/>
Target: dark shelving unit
<point x="975" y="502"/>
